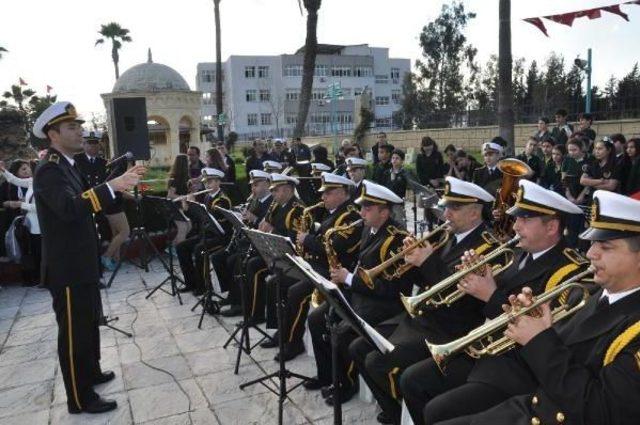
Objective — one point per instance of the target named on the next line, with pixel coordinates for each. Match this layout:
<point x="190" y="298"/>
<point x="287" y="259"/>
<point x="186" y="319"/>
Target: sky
<point x="53" y="42"/>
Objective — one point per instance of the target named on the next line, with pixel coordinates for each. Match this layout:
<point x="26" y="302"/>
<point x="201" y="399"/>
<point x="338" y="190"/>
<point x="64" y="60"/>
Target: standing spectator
<point x="543" y="129"/>
<point x="576" y="163"/>
<point x="214" y="159"/>
<point x="12" y="196"/>
<point x="31" y="250"/>
<point x="529" y="157"/>
<point x="562" y="131"/>
<point x="429" y="163"/>
<point x="546" y="168"/>
<point x="489" y="177"/>
<point x="631" y="185"/>
<point x="258" y="156"/>
<point x="381" y="140"/>
<point x="178" y="186"/>
<point x="384" y="164"/>
<point x="602" y="174"/>
<point x="396" y="180"/>
<point x="321" y="156"/>
<point x="584" y="127"/>
<point x="358" y="151"/>
<point x="450" y="158"/>
<point x="558" y="154"/>
<point x="301" y="152"/>
<point x="465" y="165"/>
<point x="619" y="143"/>
<point x="195" y="164"/>
<point x="229" y="164"/>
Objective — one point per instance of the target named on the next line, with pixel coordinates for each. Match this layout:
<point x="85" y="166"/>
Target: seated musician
<point x="191" y="250"/>
<point x="375" y="300"/>
<point x="464" y="204"/>
<point x="541" y="261"/>
<point x="270" y="166"/>
<point x="283" y="213"/>
<point x="357" y="170"/>
<point x="227" y="263"/>
<point x="340" y="212"/>
<point x="584" y="369"/>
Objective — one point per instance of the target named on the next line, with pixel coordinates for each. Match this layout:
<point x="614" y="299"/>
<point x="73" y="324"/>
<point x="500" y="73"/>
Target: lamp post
<point x="585" y="66"/>
<point x="334" y="92"/>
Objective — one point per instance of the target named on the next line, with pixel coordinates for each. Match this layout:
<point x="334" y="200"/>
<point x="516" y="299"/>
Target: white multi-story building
<point x="261" y="93"/>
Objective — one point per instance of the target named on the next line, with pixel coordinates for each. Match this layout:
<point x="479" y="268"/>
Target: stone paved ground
<point x="32" y="392"/>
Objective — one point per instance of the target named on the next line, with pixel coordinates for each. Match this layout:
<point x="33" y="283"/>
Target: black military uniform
<point x="191" y="252"/>
<point x="488" y="179"/>
<point x="298" y="295"/>
<point x="70" y="269"/>
<point x="536" y="165"/>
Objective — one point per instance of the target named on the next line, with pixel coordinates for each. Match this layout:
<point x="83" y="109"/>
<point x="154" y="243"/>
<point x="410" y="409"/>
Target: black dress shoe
<point x="291" y="351"/>
<point x="104" y="377"/>
<point x="387" y="418"/>
<point x="326" y="391"/>
<point x="224" y="301"/>
<point x="272" y="342"/>
<point x="313" y="384"/>
<point x="101" y="285"/>
<point x="345" y="395"/>
<point x="234" y="310"/>
<point x="99" y="405"/>
<point x="185" y="289"/>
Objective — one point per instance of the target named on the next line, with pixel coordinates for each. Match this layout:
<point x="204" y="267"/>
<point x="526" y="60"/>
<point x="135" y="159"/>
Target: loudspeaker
<point x="130" y="127"/>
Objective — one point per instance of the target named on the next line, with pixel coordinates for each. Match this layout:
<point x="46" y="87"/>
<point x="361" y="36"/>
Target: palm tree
<point x="216" y="9"/>
<point x="309" y="62"/>
<point x="19" y="96"/>
<point x="118" y="35"/>
<point x="2" y="50"/>
<point x="505" y="89"/>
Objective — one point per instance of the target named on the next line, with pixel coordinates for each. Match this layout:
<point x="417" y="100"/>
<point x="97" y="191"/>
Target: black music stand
<point x="274" y="250"/>
<point x="170" y="211"/>
<point x="339" y="305"/>
<point x="206" y="222"/>
<point x="429" y="198"/>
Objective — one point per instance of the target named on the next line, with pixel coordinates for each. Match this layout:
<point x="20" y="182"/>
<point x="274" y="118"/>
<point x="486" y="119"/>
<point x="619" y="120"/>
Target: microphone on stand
<point x="128" y="156"/>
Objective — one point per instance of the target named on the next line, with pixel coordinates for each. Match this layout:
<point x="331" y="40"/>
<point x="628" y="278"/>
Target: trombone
<point x="482" y="341"/>
<point x="442" y="293"/>
<point x="368" y="275"/>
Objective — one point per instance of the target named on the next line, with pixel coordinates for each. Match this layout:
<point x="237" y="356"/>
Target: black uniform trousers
<point x="347" y="374"/>
<point x="227" y="268"/>
<point x="191" y="254"/>
<point x="77" y="310"/>
<point x="254" y="291"/>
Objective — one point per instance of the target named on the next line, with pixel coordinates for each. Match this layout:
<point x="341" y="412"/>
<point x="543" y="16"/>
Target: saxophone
<point x="332" y="256"/>
<point x="305" y="224"/>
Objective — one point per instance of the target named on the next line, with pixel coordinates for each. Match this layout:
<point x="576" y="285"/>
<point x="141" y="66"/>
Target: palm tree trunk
<point x="505" y="89"/>
<point x="216" y="8"/>
<point x="308" y="67"/>
<point x="114" y="56"/>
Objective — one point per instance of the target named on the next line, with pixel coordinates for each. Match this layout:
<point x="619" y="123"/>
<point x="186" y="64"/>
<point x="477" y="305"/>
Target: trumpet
<point x="368" y="275"/>
<point x="183" y="197"/>
<point x="480" y="341"/>
<point x="442" y="293"/>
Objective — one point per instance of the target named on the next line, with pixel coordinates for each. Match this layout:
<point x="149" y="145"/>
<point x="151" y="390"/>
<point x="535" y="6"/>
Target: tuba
<point x="446" y="292"/>
<point x="512" y="171"/>
<point x="438" y="237"/>
<point x="332" y="256"/>
<point x="483" y="340"/>
<point x="305" y="224"/>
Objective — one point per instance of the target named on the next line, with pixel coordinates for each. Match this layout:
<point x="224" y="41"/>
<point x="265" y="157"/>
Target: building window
<point x="265" y="119"/>
<point x="382" y="100"/>
<point x="263" y="72"/>
<point x="318" y="94"/>
<point x="383" y="122"/>
<point x="395" y="75"/>
<point x="396" y="96"/>
<point x="252" y="119"/>
<point x="292" y="71"/>
<point x="207" y="76"/>
<point x="292" y="94"/>
<point x="320" y="118"/>
<point x="265" y="95"/>
<point x="249" y="72"/>
<point x="357" y="91"/>
<point x="341" y="71"/>
<point x="321" y="71"/>
<point x="251" y="95"/>
<point x="362" y="71"/>
<point x="291" y="119"/>
<point x="382" y="79"/>
<point x="344" y="118"/>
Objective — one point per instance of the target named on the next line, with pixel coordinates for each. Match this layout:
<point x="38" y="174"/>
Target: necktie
<point x="603" y="304"/>
<point x="527" y="259"/>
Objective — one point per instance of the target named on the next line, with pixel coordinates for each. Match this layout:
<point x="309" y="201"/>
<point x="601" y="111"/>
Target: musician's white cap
<point x="258" y="175"/>
<point x="462" y="192"/>
<point x="280" y="179"/>
<point x="492" y="146"/>
<point x="271" y="166"/>
<point x="613" y="216"/>
<point x="330" y="181"/>
<point x="58" y="112"/>
<point x="318" y="167"/>
<point x="533" y="200"/>
<point x="355" y="163"/>
<point x="211" y="173"/>
<point x="376" y="194"/>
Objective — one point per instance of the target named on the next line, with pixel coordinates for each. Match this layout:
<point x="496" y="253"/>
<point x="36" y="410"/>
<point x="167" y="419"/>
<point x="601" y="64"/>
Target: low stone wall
<point x="472" y="137"/>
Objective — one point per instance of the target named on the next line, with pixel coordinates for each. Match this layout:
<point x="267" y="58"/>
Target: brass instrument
<point x="332" y="257"/>
<point x="446" y="291"/>
<point x="368" y="275"/>
<point x="200" y="192"/>
<point x="305" y="224"/>
<point x="481" y="342"/>
<point x="512" y="171"/>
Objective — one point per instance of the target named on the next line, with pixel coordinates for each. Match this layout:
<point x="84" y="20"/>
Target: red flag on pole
<point x="537" y="22"/>
<point x="49" y="88"/>
<point x="22" y="82"/>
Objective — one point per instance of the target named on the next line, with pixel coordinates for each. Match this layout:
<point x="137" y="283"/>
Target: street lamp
<point x="585" y="66"/>
<point x="334" y="92"/>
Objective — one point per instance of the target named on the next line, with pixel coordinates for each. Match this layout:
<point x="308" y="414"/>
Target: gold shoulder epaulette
<point x="54" y="157"/>
<point x="575" y="257"/>
<point x="393" y="230"/>
<point x="621" y="342"/>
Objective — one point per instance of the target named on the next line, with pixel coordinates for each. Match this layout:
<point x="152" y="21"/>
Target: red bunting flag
<point x="49" y="88"/>
<point x="615" y="9"/>
<point x="537" y="22"/>
<point x="22" y="82"/>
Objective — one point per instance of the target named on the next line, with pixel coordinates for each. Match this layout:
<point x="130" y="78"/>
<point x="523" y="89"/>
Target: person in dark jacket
<point x="429" y="163"/>
<point x="384" y="164"/>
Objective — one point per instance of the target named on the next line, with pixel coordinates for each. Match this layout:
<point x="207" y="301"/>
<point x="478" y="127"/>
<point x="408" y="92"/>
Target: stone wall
<point x="472" y="137"/>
